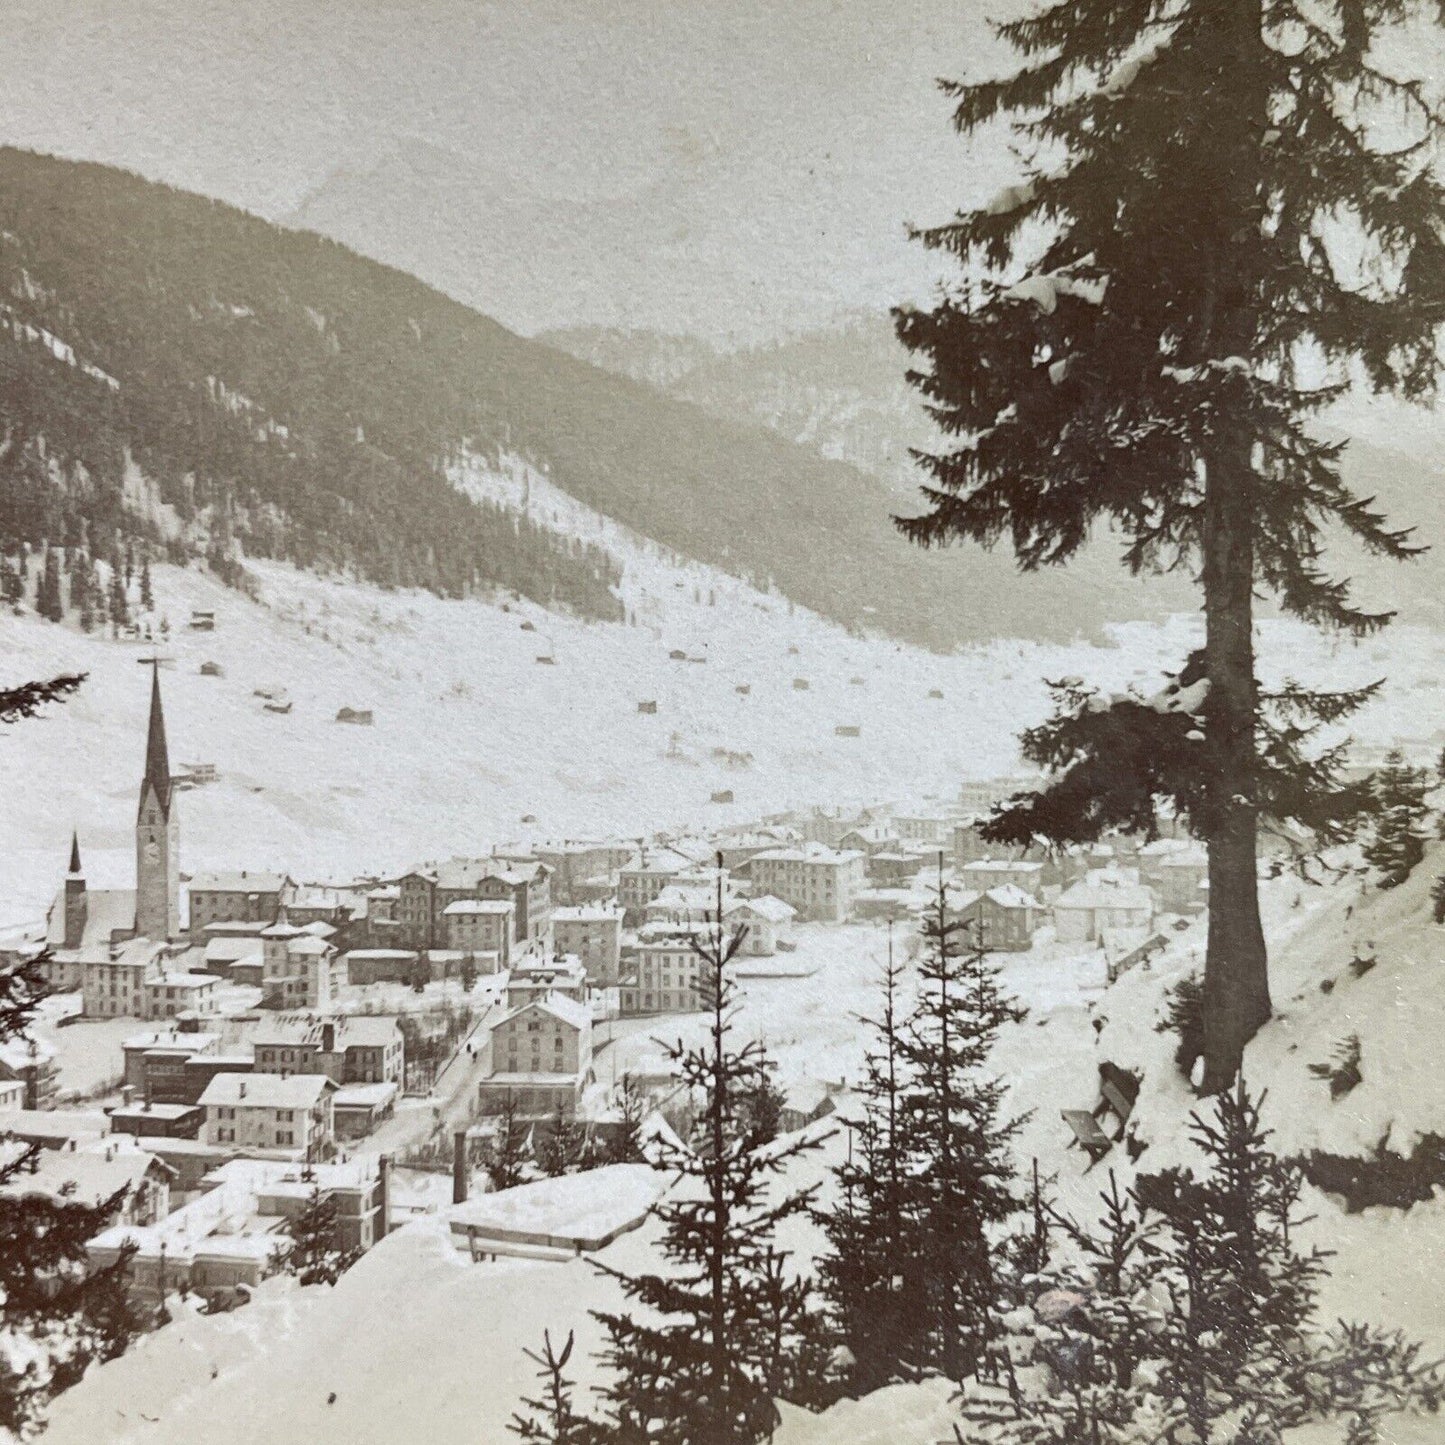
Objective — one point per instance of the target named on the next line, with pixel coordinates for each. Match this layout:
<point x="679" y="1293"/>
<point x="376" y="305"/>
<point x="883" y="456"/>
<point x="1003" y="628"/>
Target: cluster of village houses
<point x="260" y="1072"/>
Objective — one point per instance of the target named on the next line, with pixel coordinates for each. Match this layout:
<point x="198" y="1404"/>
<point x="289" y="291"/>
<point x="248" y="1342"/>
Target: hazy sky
<point x="714" y="165"/>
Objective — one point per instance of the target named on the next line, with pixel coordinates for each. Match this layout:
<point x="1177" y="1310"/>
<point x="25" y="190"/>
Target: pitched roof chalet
<point x="568" y="1010"/>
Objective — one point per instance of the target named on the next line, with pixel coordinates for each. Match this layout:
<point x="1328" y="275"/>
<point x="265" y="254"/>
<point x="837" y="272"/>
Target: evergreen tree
<point x="873" y="1270"/>
<point x="727" y="1324"/>
<point x="560" y="1144"/>
<point x="551" y="1418"/>
<point x="762" y="1106"/>
<point x="1215" y="235"/>
<point x="958" y="1173"/>
<point x="83" y="593"/>
<point x="58" y="1314"/>
<point x="49" y="599"/>
<point x="119" y="612"/>
<point x="469" y="972"/>
<point x="313" y="1252"/>
<point x="147" y="597"/>
<point x="1437" y="898"/>
<point x="1189" y="1318"/>
<point x="1397" y="841"/>
<point x="12" y="581"/>
<point x="623" y="1144"/>
<point x="504" y="1153"/>
<point x="27" y="698"/>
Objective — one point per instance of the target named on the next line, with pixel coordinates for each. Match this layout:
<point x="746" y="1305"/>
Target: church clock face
<point x="153" y="851"/>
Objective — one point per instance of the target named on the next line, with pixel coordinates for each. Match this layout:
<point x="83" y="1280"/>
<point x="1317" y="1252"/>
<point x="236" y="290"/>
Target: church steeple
<point x="77" y="905"/>
<point x="158" y="766"/>
<point x="157" y="834"/>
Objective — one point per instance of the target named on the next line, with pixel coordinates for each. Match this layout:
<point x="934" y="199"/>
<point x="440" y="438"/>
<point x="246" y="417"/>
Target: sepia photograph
<point x="722" y="722"/>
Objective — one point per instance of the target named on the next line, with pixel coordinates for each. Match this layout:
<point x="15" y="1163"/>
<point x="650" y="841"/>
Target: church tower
<point x="157" y="835"/>
<point x="77" y="906"/>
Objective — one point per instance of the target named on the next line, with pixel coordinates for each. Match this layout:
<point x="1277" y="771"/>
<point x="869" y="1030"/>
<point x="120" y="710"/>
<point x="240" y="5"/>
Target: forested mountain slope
<point x="176" y="368"/>
<point x="844" y="392"/>
<point x="275" y="383"/>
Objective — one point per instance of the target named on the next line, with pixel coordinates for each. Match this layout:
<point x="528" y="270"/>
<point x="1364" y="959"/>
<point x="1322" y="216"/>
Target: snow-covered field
<point x="477" y="743"/>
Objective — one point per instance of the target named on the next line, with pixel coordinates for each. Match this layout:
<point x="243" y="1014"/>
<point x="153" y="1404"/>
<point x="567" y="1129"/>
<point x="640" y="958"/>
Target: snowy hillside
<point x="475" y="742"/>
<point x="293" y="1367"/>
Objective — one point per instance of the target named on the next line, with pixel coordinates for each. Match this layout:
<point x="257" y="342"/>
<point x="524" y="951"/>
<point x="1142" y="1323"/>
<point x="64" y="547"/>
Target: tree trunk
<point x="1236" y="978"/>
<point x="1236" y="975"/>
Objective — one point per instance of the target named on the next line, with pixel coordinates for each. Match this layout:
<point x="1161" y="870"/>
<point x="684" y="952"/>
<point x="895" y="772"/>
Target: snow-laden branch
<point x="1045" y="289"/>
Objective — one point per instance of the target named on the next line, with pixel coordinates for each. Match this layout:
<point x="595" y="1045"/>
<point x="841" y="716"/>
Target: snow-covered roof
<point x="348" y="1030"/>
<point x="24" y="1051"/>
<point x="364" y="1096"/>
<point x="1002" y="865"/>
<point x="568" y="1010"/>
<point x="587" y="913"/>
<point x="464" y="874"/>
<point x="1102" y="890"/>
<point x="768" y="908"/>
<point x="136" y="1113"/>
<point x="107" y="911"/>
<point x="243" y="881"/>
<point x="581" y="1211"/>
<point x="1010" y="895"/>
<point x="319" y="895"/>
<point x="818" y="853"/>
<point x="265" y="1091"/>
<point x="33" y="1124"/>
<point x="170" y="1039"/>
<point x="232" y="950"/>
<point x="85" y="1176"/>
<point x="308" y="946"/>
<point x="468" y="906"/>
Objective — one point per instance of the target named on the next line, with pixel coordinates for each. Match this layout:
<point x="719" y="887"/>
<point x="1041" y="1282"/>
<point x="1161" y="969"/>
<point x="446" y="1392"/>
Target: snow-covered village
<point x="722" y="723"/>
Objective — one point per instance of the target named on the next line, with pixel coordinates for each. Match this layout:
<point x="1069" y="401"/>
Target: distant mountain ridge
<point x="844" y="392"/>
<point x="316" y="399"/>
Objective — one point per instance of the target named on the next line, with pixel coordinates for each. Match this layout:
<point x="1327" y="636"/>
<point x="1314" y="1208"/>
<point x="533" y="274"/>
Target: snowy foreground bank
<point x="416" y="1342"/>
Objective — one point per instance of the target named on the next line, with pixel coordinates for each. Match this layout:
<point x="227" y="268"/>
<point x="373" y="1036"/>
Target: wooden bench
<point x="1087" y="1134"/>
<point x="1116" y="1102"/>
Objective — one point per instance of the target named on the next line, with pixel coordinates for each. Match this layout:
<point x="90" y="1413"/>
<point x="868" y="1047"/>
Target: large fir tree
<point x="726" y="1326"/>
<point x="959" y="1185"/>
<point x="1218" y="191"/>
<point x="871" y="1272"/>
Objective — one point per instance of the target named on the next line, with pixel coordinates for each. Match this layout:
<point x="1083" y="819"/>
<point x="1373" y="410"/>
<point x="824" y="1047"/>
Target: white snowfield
<point x="476" y="743"/>
<point x="414" y="1343"/>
